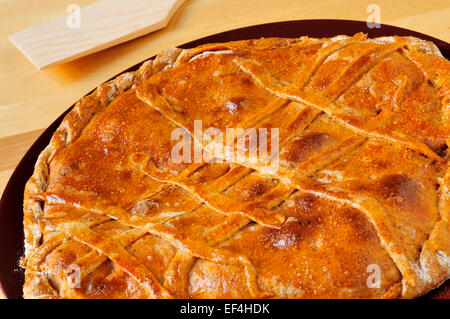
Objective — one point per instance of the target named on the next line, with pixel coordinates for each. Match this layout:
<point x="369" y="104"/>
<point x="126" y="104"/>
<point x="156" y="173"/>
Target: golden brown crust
<point x="363" y="177"/>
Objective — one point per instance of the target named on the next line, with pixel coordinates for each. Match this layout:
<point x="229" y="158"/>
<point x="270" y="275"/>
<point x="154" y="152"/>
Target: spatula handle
<point x="93" y="28"/>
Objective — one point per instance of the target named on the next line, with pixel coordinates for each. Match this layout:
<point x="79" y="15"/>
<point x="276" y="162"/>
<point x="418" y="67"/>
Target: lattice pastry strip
<point x="137" y="221"/>
<point x="325" y="102"/>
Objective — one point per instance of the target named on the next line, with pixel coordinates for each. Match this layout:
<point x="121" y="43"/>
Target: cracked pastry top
<point x="363" y="178"/>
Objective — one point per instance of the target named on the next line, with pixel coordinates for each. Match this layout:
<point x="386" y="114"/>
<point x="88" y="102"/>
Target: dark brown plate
<point x="11" y="214"/>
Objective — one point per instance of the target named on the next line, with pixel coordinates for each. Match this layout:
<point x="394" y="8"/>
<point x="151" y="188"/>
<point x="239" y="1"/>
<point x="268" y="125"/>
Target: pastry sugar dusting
<point x="160" y="184"/>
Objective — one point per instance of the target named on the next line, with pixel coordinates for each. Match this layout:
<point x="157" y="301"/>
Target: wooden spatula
<point x="95" y="27"/>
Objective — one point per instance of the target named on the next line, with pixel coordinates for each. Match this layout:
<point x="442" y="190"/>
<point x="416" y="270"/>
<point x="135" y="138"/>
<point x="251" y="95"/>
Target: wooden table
<point x="30" y="99"/>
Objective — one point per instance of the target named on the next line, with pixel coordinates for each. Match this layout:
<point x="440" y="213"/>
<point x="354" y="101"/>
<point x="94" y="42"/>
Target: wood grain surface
<point x="105" y="23"/>
<point x="30" y="99"/>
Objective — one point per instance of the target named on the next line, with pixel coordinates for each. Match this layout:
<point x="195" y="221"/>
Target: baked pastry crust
<point x="363" y="180"/>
